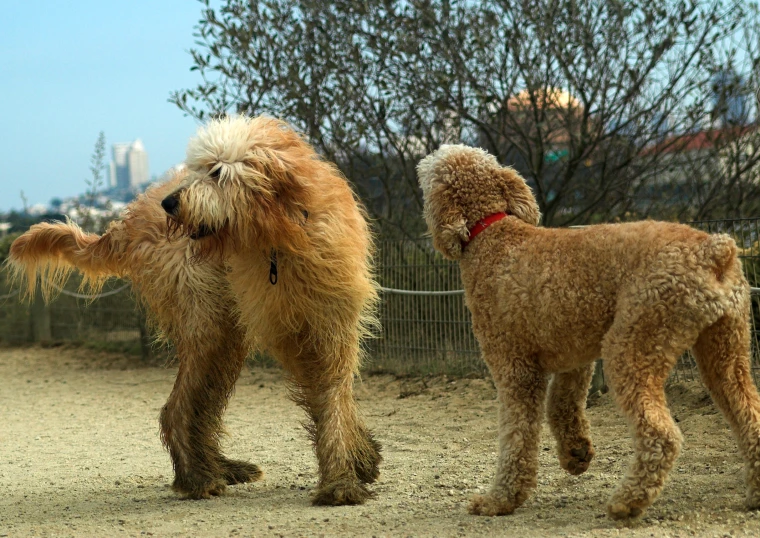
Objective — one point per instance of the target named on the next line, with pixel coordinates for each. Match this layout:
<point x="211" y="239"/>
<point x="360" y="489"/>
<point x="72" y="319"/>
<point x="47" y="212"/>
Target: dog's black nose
<point x="170" y="204"/>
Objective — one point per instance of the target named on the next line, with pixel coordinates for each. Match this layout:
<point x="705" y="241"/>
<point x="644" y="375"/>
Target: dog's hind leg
<point x="521" y="393"/>
<point x="212" y="353"/>
<point x="723" y="357"/>
<point x="638" y="357"/>
<point x="567" y="418"/>
<point x="338" y="443"/>
<point x="347" y="454"/>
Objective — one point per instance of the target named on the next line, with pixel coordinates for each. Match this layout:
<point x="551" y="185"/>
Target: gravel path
<point x="80" y="456"/>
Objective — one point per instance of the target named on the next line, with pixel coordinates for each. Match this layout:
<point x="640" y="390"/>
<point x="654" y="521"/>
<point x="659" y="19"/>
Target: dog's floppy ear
<point x="520" y="200"/>
<point x="450" y="238"/>
<point x="447" y="224"/>
<point x="445" y="219"/>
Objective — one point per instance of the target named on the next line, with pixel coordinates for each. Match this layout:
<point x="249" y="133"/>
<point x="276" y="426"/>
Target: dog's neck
<point x="484" y="223"/>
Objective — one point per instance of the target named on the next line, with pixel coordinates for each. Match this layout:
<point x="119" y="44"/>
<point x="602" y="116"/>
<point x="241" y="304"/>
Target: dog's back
<point x="569" y="286"/>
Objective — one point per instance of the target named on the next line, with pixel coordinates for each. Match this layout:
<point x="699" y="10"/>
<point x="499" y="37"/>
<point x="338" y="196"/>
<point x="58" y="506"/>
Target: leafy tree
<point x="590" y="100"/>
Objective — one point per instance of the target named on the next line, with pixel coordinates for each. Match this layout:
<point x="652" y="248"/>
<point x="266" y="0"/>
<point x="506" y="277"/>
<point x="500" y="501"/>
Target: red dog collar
<point x="484" y="223"/>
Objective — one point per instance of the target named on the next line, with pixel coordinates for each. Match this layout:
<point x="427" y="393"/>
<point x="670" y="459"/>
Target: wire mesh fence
<point x="421" y="333"/>
<point x="429" y="333"/>
<point x="112" y="321"/>
<point x="432" y="333"/>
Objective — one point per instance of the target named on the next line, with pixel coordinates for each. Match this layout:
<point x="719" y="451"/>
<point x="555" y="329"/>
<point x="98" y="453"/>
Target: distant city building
<point x="119" y="169"/>
<point x="730" y="98"/>
<point x="129" y="167"/>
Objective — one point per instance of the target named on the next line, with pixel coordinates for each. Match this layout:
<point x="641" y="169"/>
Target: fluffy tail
<point x="50" y="251"/>
<point x="720" y="253"/>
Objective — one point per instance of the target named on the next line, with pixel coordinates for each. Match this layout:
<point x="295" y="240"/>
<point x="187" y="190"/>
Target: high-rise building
<point x="129" y="167"/>
<point x="119" y="168"/>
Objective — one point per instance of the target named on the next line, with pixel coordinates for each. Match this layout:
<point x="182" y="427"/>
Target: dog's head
<point x="462" y="185"/>
<point x="246" y="182"/>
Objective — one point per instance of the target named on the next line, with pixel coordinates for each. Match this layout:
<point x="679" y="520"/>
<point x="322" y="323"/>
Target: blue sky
<point x="69" y="70"/>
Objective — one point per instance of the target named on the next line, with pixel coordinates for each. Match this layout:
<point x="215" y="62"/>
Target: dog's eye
<point x="214" y="173"/>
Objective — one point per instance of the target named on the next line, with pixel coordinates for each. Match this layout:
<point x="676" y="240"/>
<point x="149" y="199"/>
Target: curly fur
<point x="548" y="302"/>
<point x="257" y="192"/>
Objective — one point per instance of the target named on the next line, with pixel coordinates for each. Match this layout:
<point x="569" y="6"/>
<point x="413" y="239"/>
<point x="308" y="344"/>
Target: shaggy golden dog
<point x="295" y="246"/>
<point x="550" y="301"/>
<point x="298" y="250"/>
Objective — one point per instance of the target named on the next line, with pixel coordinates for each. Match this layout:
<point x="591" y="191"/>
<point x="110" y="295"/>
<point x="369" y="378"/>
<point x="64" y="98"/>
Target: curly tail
<point x="720" y="254"/>
<point x="51" y="251"/>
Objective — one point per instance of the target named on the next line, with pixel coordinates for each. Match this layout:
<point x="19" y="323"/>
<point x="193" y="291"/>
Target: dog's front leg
<point x="191" y="420"/>
<point x="521" y="392"/>
<point x="567" y="418"/>
<point x="347" y="454"/>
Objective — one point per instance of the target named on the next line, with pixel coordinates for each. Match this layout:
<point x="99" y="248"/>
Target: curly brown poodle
<point x="287" y="271"/>
<point x="547" y="302"/>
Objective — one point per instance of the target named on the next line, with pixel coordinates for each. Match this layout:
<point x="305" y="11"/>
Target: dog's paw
<point x="341" y="493"/>
<point x="240" y="472"/>
<point x="627" y="503"/>
<point x="752" y="502"/>
<point x="366" y="464"/>
<point x="488" y="505"/>
<point x="367" y="470"/>
<point x="195" y="490"/>
<point x="620" y="510"/>
<point x="576" y="460"/>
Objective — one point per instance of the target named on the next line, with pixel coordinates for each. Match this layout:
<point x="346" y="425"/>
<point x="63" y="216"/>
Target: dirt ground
<point x="80" y="456"/>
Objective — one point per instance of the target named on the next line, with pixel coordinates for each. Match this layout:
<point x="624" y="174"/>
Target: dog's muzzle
<point x="171" y="205"/>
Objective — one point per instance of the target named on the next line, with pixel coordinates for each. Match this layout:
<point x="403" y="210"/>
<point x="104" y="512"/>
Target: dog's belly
<point x="561" y="332"/>
<point x="567" y="343"/>
<point x="553" y="362"/>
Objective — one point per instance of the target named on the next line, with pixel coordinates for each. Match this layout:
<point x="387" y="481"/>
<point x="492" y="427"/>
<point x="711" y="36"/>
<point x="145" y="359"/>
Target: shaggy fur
<point x="190" y="304"/>
<point x="289" y="202"/>
<point x="298" y="252"/>
<point x="551" y="301"/>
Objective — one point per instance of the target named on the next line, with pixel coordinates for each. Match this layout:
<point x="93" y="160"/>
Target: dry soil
<point x="80" y="456"/>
